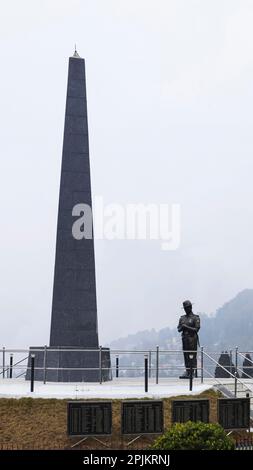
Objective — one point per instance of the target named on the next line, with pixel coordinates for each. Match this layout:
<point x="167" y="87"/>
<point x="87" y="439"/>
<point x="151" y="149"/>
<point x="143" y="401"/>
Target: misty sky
<point x="170" y="99"/>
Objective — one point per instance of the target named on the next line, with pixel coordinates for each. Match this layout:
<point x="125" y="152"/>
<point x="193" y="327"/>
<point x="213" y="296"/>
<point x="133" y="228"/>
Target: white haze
<point x="170" y="99"/>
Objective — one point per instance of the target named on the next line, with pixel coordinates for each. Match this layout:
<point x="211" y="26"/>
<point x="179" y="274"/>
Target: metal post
<point x="11" y="365"/>
<point x="202" y="364"/>
<point x="32" y="372"/>
<point x="45" y="364"/>
<point x="191" y="371"/>
<point x="149" y="364"/>
<point x="3" y="362"/>
<point x="157" y="364"/>
<point x="117" y="366"/>
<point x="236" y="367"/>
<point x="191" y="377"/>
<point x="146" y="371"/>
<point x="100" y="364"/>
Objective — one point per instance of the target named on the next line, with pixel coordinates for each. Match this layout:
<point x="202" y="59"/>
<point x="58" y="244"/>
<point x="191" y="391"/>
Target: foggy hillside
<point x="231" y="326"/>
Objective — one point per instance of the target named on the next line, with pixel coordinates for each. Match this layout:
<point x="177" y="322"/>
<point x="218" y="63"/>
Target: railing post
<point x="149" y="364"/>
<point x="3" y="362"/>
<point x="236" y="367"/>
<point x="146" y="371"/>
<point x="45" y="364"/>
<point x="157" y="364"/>
<point x="117" y="366"/>
<point x="191" y="377"/>
<point x="191" y="356"/>
<point x="11" y="365"/>
<point x="202" y="364"/>
<point x="32" y="372"/>
<point x="100" y="364"/>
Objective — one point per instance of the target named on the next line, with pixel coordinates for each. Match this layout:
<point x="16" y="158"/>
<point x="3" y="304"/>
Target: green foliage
<point x="194" y="436"/>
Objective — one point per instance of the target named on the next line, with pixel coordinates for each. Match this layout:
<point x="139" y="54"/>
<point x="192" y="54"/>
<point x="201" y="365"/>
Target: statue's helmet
<point x="187" y="303"/>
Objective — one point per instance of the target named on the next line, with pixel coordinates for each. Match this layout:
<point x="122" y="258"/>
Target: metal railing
<point x="12" y="366"/>
<point x="151" y="363"/>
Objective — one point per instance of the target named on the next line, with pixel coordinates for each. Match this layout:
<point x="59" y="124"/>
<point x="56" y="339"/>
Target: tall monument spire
<point x="74" y="306"/>
<point x="74" y="310"/>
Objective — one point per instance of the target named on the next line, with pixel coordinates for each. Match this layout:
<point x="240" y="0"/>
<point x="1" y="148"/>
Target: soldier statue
<point x="189" y="325"/>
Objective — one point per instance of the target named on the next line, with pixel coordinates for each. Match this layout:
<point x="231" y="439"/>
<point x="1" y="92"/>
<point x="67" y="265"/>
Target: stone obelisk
<point x="74" y="308"/>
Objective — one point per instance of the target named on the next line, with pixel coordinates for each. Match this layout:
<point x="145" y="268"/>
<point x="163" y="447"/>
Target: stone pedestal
<point x="61" y="365"/>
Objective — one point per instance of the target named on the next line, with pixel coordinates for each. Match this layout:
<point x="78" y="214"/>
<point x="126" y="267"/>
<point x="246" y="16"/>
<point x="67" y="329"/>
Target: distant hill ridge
<point x="231" y="326"/>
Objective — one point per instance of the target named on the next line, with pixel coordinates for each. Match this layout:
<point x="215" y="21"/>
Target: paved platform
<point x="118" y="388"/>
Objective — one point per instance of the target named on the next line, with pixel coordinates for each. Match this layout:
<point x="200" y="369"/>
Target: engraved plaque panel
<point x="89" y="418"/>
<point x="234" y="413"/>
<point x="190" y="410"/>
<point x="142" y="417"/>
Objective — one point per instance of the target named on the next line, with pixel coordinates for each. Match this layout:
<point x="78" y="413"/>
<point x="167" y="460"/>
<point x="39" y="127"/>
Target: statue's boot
<point x="185" y="375"/>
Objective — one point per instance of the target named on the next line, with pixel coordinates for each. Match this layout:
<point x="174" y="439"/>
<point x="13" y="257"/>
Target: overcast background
<point x="170" y="99"/>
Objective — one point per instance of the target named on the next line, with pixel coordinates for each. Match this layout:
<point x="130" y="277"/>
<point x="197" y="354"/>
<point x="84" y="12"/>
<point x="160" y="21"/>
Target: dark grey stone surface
<point x="74" y="310"/>
<point x="74" y="307"/>
<point x="54" y="364"/>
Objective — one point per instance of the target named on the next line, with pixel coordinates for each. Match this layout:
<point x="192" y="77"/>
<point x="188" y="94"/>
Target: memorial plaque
<point x="190" y="410"/>
<point x="142" y="417"/>
<point x="89" y="418"/>
<point x="234" y="413"/>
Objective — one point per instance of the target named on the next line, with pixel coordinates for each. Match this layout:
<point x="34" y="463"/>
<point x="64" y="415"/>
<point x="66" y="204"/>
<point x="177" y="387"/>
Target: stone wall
<point x="29" y="423"/>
